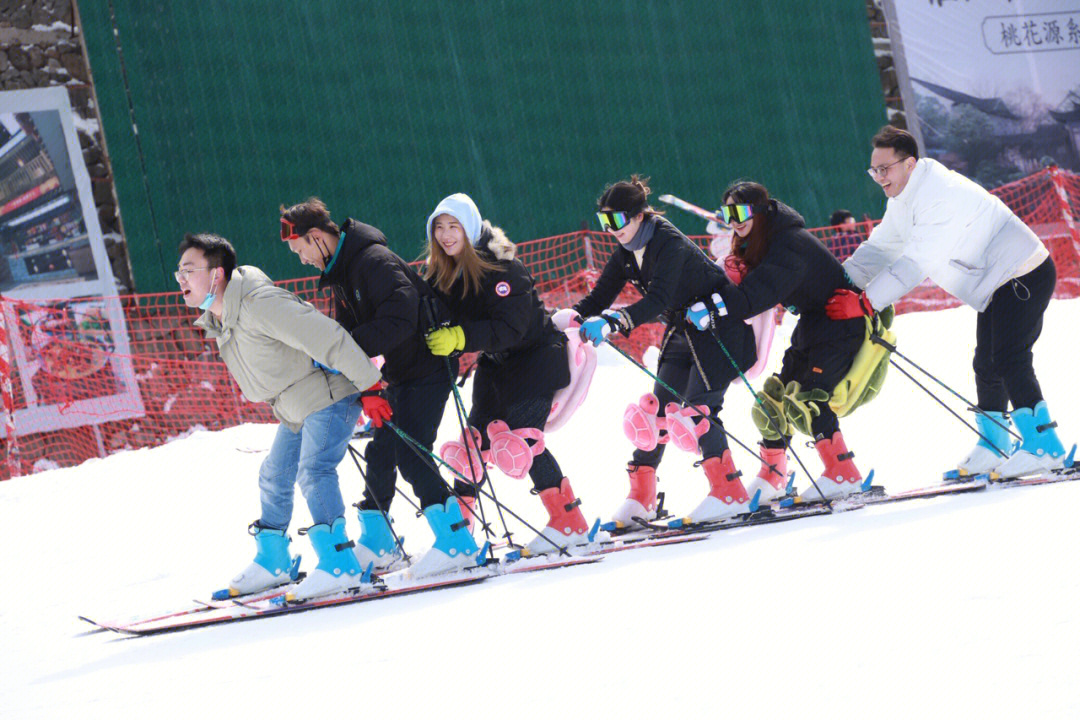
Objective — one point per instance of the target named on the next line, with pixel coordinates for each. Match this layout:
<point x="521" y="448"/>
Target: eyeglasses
<point x="880" y="170"/>
<point x="182" y="275"/>
<point x="740" y="212"/>
<point x="610" y="221"/>
<point x="288" y="230"/>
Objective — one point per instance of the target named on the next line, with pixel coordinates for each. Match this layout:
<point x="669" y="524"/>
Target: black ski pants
<point x="1005" y="333"/>
<point x="519" y="408"/>
<point x="820" y="355"/>
<point x="418" y="409"/>
<point x="678" y="369"/>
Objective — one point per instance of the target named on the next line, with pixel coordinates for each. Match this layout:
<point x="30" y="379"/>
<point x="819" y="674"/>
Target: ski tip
<point x="594" y="529"/>
<point x="756" y="502"/>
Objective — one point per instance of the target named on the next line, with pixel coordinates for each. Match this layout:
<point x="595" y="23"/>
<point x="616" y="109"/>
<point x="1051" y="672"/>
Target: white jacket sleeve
<point x="894" y="282"/>
<point x="880" y="250"/>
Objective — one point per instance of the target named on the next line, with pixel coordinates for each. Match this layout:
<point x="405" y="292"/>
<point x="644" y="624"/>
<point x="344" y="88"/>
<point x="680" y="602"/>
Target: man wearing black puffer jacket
<point x="380" y="299"/>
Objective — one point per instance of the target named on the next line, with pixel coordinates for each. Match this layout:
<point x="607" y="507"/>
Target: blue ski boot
<point x="377" y="546"/>
<point x="454" y="547"/>
<point x="338" y="569"/>
<point x="987" y="456"/>
<point x="272" y="566"/>
<point x="1040" y="450"/>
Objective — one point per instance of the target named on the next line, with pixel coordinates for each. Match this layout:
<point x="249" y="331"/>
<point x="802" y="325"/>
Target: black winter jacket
<point x="674" y="274"/>
<point x="798" y="272"/>
<point x="507" y="322"/>
<point x="378" y="300"/>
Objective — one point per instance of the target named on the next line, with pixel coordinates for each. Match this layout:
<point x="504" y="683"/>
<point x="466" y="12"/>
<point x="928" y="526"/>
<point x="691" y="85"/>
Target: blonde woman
<point x="494" y="309"/>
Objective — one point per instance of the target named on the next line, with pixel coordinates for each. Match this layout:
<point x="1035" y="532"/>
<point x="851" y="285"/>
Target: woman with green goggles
<point x="783" y="264"/>
<point x="672" y="274"/>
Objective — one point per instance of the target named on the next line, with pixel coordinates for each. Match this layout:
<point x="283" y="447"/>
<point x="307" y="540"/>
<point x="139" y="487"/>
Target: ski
<point x="271" y="602"/>
<point x="954" y="485"/>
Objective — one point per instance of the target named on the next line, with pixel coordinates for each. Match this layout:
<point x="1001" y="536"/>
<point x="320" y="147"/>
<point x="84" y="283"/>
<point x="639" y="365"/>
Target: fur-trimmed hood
<point x="494" y="242"/>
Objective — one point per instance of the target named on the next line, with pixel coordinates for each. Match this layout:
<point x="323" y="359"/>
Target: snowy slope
<point x="954" y="607"/>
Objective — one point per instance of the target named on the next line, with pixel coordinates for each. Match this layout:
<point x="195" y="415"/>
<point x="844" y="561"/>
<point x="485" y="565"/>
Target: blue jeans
<point x="309" y="457"/>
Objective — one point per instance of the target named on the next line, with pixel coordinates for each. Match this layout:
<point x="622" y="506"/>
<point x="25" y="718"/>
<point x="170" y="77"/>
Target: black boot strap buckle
<point x="735" y="475"/>
<point x="458" y="525"/>
<point x="345" y="545"/>
<point x="570" y="506"/>
<point x="1047" y="426"/>
<point x="845" y="456"/>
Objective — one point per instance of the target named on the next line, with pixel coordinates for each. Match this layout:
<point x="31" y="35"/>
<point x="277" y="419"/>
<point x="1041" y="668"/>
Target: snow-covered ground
<point x="953" y="607"/>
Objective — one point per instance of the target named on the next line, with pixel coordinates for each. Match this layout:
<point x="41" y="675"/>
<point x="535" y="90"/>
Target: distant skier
<point x="494" y="309"/>
<point x="939" y="224"/>
<point x="378" y="298"/>
<point x="782" y="263"/>
<point x="278" y="349"/>
<point x="672" y="274"/>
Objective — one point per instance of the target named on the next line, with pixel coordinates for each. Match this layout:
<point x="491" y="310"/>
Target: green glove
<point x="801" y="407"/>
<point x="886" y="316"/>
<point x="768" y="413"/>
<point x="445" y="341"/>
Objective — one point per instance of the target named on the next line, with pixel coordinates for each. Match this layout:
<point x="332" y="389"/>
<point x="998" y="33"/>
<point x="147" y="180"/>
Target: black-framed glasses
<point x="877" y="171"/>
<point x="610" y="221"/>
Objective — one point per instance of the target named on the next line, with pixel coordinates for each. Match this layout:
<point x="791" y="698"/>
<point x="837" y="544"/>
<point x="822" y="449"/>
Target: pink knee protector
<point x="509" y="450"/>
<point x="456" y="455"/>
<point x="641" y="424"/>
<point x="582" y="361"/>
<point x="682" y="429"/>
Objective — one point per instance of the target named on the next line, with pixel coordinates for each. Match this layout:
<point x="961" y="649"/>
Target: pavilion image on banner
<point x="991" y="88"/>
<point x="68" y="339"/>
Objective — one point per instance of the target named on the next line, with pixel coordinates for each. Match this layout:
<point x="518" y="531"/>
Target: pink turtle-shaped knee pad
<point x="641" y="424"/>
<point x="456" y="455"/>
<point x="682" y="429"/>
<point x="509" y="450"/>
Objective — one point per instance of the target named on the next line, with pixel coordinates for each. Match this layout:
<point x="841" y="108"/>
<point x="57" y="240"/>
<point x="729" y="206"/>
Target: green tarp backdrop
<point x="382" y="108"/>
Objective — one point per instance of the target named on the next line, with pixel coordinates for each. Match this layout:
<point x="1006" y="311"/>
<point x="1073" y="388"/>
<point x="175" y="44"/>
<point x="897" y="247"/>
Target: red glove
<point x="375" y="405"/>
<point x="846" y="304"/>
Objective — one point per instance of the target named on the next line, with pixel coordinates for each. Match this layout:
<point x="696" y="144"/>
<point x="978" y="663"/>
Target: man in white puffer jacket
<point x="939" y="224"/>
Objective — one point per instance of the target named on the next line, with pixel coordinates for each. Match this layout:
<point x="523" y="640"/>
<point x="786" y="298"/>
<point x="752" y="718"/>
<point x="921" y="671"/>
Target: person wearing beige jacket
<point x="284" y="352"/>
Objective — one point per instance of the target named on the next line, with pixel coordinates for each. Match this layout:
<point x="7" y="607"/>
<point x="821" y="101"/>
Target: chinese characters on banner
<point x="991" y="88"/>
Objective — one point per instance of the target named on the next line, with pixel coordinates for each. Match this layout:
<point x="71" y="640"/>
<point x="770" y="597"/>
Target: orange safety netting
<point x="88" y="377"/>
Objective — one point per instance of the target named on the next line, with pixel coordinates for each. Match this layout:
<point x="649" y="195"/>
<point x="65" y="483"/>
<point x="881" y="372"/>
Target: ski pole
<point x="469" y="441"/>
<point x="429" y="456"/>
<point x="355" y="455"/>
<point x="892" y="349"/>
<point x="939" y="401"/>
<point x="757" y="399"/>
